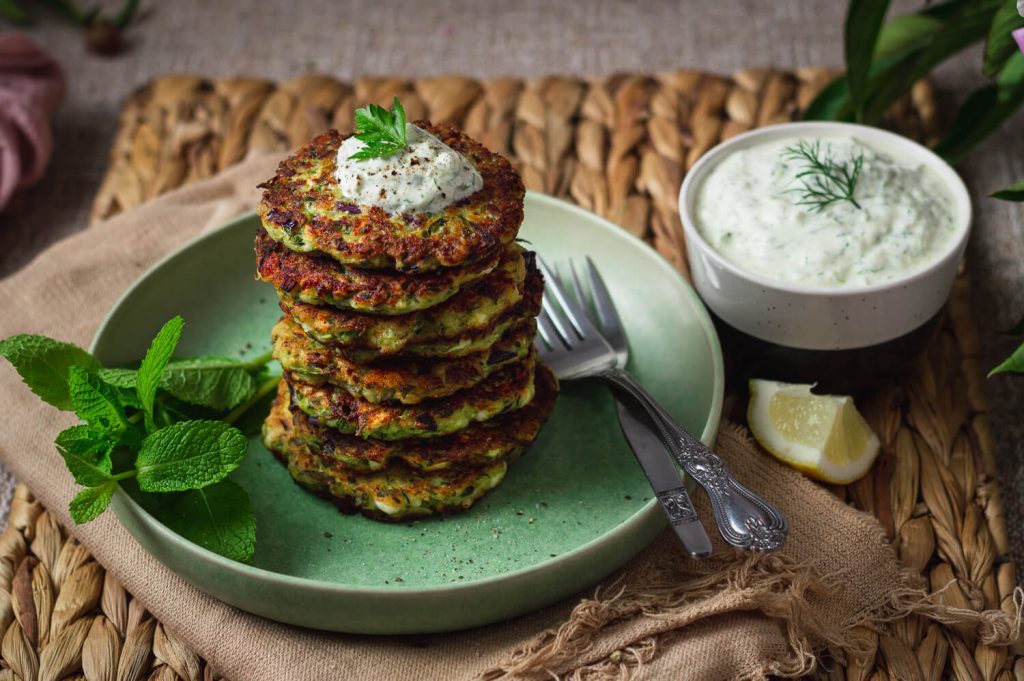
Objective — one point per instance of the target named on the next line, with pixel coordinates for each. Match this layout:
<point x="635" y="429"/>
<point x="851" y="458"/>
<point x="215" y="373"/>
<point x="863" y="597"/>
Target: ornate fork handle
<point x="745" y="520"/>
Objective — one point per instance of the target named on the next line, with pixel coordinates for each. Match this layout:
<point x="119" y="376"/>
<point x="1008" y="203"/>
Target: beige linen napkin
<point x="733" y="616"/>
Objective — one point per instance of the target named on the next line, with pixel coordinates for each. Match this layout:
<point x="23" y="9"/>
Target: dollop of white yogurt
<point x="425" y="177"/>
<point x="748" y="209"/>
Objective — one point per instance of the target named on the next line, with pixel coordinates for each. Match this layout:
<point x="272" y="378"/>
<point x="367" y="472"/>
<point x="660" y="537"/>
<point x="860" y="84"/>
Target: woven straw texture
<point x="620" y="147"/>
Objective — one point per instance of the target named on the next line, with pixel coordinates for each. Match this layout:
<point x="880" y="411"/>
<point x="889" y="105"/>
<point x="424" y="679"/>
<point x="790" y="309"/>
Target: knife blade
<point x="665" y="479"/>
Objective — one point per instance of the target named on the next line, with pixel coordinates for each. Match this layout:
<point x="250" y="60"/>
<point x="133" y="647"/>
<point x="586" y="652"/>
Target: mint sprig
<point x="383" y="131"/>
<point x="189" y="455"/>
<point x="167" y="424"/>
<point x="153" y="364"/>
<point x="43" y="364"/>
<point x="218" y="518"/>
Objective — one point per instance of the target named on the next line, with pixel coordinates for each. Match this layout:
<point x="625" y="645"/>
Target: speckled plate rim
<point x="645" y="515"/>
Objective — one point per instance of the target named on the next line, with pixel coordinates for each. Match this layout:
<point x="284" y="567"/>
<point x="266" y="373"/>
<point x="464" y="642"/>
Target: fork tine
<point x="559" y="321"/>
<point x="575" y="314"/>
<point x="581" y="296"/>
<point x="547" y="331"/>
<point x="610" y="322"/>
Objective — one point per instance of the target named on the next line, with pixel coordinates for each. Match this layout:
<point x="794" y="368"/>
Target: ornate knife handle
<point x="744" y="519"/>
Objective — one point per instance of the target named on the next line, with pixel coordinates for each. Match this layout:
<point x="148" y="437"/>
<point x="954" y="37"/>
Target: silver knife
<point x="665" y="479"/>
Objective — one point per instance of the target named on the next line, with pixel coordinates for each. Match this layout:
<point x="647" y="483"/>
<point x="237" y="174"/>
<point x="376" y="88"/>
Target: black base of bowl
<point x="835" y="371"/>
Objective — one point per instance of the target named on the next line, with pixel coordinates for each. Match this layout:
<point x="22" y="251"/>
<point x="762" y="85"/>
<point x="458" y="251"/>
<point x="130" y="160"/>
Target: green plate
<point x="572" y="510"/>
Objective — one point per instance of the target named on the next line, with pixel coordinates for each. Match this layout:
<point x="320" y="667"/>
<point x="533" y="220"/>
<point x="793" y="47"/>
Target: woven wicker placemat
<point x="618" y="146"/>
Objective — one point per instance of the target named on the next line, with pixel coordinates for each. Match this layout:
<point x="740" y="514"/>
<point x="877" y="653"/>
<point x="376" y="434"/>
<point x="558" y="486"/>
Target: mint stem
<point x="125" y="475"/>
<point x="268" y="386"/>
<point x="258" y="362"/>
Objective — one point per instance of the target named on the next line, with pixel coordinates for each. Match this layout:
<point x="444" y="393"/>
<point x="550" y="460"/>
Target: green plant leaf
<point x="218" y="518"/>
<point x="216" y="382"/>
<point x="863" y="23"/>
<point x="68" y="9"/>
<point x="833" y="102"/>
<point x="984" y="111"/>
<point x="125" y="14"/>
<point x="1000" y="45"/>
<point x="86" y="453"/>
<point x="905" y="33"/>
<point x="12" y="12"/>
<point x="152" y="367"/>
<point x="829" y="104"/>
<point x="91" y="502"/>
<point x="960" y="32"/>
<point x="1014" y="364"/>
<point x="1015" y="192"/>
<point x="43" y="364"/>
<point x="189" y="455"/>
<point x="907" y="49"/>
<point x="95" y="402"/>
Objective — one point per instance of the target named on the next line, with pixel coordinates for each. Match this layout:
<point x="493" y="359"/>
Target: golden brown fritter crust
<point x="303" y="209"/>
<point x="469" y="322"/>
<point x="403" y="490"/>
<point x="496" y="439"/>
<point x="506" y="390"/>
<point x="318" y="280"/>
<point x="405" y="493"/>
<point x="405" y="380"/>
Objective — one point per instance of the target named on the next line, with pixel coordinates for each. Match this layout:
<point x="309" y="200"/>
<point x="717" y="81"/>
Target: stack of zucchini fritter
<point x="410" y="380"/>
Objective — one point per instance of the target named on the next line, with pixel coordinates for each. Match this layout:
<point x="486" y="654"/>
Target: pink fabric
<point x="31" y="87"/>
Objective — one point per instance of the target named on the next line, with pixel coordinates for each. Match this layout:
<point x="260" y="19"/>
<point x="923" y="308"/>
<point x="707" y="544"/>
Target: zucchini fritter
<point x="302" y="208"/>
<point x="398" y="493"/>
<point x="318" y="280"/>
<point x="408" y="380"/>
<point x="470" y="322"/>
<point x="429" y="476"/>
<point x="499" y="438"/>
<point x="506" y="390"/>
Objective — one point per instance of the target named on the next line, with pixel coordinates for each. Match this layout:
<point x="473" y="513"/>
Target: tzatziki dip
<point x="424" y="177"/>
<point x="832" y="212"/>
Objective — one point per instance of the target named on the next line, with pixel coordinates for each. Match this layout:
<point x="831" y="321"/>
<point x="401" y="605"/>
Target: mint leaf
<point x="91" y="501"/>
<point x="217" y="382"/>
<point x="86" y="453"/>
<point x="189" y="455"/>
<point x="95" y="402"/>
<point x="43" y="364"/>
<point x="123" y="383"/>
<point x="152" y="367"/>
<point x="119" y="378"/>
<point x="218" y="518"/>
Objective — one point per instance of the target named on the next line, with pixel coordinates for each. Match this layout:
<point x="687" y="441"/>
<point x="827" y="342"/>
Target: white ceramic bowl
<point x="819" y="318"/>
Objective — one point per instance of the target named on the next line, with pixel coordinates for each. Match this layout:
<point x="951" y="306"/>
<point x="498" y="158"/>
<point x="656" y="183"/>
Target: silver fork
<point x="657" y="465"/>
<point x="574" y="348"/>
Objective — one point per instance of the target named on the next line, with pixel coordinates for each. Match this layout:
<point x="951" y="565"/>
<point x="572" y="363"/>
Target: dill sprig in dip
<point x="833" y="212"/>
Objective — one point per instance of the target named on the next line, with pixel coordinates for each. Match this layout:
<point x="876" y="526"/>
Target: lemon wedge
<point x="822" y="435"/>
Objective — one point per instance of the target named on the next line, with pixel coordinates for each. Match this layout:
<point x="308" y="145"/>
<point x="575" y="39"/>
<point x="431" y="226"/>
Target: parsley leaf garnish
<point x="381" y="130"/>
